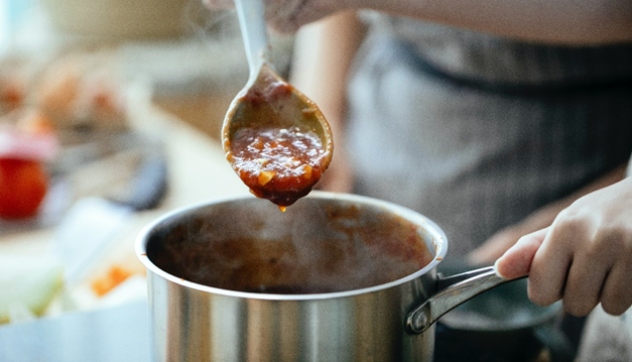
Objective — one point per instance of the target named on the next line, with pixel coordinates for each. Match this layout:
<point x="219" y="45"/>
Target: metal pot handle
<point x="453" y="291"/>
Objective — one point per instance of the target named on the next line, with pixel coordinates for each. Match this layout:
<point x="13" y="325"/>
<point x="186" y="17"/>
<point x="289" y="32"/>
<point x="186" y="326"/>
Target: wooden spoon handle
<point x="251" y="15"/>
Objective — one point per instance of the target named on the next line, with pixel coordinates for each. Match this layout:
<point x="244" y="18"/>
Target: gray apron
<point x="477" y="132"/>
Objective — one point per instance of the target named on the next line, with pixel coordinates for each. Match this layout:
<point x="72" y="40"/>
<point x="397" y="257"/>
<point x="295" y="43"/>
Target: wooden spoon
<point x="276" y="139"/>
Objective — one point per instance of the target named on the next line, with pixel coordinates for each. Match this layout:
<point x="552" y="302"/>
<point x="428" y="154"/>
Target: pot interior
<point x="318" y="245"/>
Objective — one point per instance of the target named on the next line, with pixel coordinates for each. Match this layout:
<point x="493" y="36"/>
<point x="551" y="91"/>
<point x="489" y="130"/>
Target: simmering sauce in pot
<point x="352" y="251"/>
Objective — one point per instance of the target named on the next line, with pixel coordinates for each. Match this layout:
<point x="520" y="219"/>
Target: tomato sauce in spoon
<point x="280" y="165"/>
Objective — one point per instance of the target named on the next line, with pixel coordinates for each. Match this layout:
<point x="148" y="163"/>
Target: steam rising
<point x="314" y="247"/>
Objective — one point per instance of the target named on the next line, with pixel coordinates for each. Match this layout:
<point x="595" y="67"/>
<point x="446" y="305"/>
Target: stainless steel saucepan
<point x="334" y="278"/>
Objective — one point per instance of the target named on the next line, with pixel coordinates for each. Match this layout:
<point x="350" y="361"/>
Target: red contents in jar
<point x="280" y="165"/>
<point x="23" y="185"/>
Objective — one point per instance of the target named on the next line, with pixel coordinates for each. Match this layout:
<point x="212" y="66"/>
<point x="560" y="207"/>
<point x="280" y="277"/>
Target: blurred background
<point x="110" y="115"/>
<point x="181" y="48"/>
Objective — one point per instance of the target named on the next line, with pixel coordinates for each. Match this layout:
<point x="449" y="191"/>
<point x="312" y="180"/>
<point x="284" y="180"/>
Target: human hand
<point x="583" y="258"/>
<point x="287" y="16"/>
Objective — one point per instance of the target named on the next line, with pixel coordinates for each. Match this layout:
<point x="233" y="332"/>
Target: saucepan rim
<point x="439" y="240"/>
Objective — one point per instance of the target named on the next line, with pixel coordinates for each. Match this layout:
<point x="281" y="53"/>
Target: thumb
<point x="516" y="261"/>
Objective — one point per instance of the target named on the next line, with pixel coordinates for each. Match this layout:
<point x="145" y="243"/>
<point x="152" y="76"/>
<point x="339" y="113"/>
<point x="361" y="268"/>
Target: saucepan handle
<point x="452" y="292"/>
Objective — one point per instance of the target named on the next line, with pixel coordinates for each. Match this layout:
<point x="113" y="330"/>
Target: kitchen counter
<point x="177" y="89"/>
<point x="196" y="171"/>
<point x="114" y="327"/>
<point x="118" y="334"/>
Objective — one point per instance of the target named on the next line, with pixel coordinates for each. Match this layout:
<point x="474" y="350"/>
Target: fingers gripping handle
<point x="458" y="289"/>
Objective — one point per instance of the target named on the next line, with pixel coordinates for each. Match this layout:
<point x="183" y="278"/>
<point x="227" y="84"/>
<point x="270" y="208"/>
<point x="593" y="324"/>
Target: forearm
<point x="561" y="21"/>
<point x="572" y="22"/>
<point x="323" y="55"/>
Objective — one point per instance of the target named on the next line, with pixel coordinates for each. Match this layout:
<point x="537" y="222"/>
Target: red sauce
<point x="340" y="247"/>
<point x="275" y="142"/>
<point x="280" y="165"/>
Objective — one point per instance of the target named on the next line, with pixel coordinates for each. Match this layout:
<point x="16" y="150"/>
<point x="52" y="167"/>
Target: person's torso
<point x="475" y="131"/>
